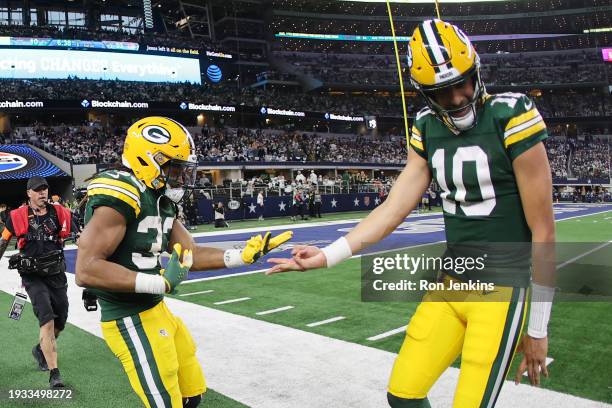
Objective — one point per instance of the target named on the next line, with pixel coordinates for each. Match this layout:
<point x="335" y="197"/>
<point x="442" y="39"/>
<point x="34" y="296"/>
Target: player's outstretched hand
<point x="304" y="258"/>
<point x="534" y="359"/>
<point x="258" y="246"/>
<point x="176" y="271"/>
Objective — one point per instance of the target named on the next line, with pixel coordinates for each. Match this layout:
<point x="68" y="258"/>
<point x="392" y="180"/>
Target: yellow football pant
<point x="483" y="328"/>
<point x="158" y="355"/>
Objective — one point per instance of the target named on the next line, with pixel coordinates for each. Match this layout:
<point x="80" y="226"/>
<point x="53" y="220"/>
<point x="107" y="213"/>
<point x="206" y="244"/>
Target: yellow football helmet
<point x="440" y="55"/>
<point x="154" y="143"/>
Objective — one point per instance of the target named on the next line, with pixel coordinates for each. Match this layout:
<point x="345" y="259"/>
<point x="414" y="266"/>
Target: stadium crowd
<point x="95" y="144"/>
<point x="170" y="39"/>
<point x="558" y="104"/>
<point x="503" y="69"/>
<point x="584" y="156"/>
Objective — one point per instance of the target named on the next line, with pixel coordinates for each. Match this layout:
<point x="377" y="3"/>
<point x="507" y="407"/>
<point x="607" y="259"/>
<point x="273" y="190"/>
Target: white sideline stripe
<point x="263" y="270"/>
<point x="225" y="302"/>
<point x="387" y="334"/>
<point x="333" y="319"/>
<point x="296" y="226"/>
<point x="360" y="255"/>
<point x="231" y="275"/>
<point x="69" y="247"/>
<point x="292" y="357"/>
<point x="590" y="251"/>
<point x="197" y="293"/>
<point x="280" y="309"/>
<point x="583" y="215"/>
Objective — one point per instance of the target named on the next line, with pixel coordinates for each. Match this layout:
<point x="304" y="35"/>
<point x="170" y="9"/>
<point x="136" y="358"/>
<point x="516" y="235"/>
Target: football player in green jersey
<point x="486" y="153"/>
<point x="130" y="220"/>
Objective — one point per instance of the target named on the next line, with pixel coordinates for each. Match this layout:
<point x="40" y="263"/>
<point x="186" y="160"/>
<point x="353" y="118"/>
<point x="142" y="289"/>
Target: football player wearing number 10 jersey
<point x="486" y="153"/>
<point x="130" y="220"/>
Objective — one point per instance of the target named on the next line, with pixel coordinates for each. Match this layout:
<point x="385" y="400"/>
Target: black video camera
<point x="90" y="300"/>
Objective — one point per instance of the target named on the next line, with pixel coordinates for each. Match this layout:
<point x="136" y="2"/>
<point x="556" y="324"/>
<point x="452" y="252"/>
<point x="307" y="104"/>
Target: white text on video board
<point x="58" y="64"/>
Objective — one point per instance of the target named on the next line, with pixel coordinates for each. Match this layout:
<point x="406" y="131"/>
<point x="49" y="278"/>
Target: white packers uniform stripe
<point x="415" y="139"/>
<point x="118" y="189"/>
<point x="523" y="126"/>
<point x="508" y="347"/>
<point x="144" y="363"/>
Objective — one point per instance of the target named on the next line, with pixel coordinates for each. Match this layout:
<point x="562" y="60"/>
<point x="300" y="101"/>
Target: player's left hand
<point x="258" y="246"/>
<point x="534" y="359"/>
<point x="176" y="271"/>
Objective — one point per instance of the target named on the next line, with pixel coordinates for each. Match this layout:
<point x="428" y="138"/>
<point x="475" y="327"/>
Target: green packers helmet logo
<point x="156" y="134"/>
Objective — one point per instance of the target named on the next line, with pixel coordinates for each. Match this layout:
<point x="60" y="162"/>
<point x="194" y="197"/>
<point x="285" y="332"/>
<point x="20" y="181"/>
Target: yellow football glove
<point x="256" y="247"/>
<point x="176" y="271"/>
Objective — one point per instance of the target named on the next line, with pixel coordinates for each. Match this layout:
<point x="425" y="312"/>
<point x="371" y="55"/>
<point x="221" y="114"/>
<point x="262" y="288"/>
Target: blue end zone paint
<point x="414" y="231"/>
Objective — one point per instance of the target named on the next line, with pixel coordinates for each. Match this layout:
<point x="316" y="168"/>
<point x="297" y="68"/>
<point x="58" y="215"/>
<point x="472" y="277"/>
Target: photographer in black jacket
<point x="40" y="229"/>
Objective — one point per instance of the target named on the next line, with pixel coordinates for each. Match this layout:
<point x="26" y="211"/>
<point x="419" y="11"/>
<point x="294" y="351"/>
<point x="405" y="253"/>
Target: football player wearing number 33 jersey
<point x="130" y="220"/>
<point x="486" y="154"/>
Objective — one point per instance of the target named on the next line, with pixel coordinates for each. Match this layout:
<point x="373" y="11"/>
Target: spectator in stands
<point x="300" y="178"/>
<point x="260" y="205"/>
<point x="318" y="202"/>
<point x="313" y="178"/>
<point x="220" y="216"/>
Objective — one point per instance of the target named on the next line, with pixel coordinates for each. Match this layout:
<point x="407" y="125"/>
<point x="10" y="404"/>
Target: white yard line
<point x="353" y="257"/>
<point x="223" y="276"/>
<point x="326" y="321"/>
<point x="279" y="309"/>
<point x="225" y="302"/>
<point x="197" y="293"/>
<point x="583" y="215"/>
<point x="590" y="251"/>
<point x="267" y="365"/>
<point x="293" y="226"/>
<point x="387" y="334"/>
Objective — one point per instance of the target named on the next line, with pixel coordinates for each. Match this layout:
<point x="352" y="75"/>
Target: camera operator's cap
<point x="37" y="182"/>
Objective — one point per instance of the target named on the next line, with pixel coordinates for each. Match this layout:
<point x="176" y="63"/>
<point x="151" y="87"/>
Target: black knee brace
<point x="397" y="402"/>
<point x="192" y="402"/>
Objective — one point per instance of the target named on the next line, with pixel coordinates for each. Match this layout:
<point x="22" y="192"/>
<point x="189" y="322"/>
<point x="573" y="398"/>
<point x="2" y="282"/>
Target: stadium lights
<point x="423" y="1"/>
<point x="597" y="30"/>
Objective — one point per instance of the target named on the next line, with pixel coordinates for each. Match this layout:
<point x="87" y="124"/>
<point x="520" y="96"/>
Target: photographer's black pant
<point x="49" y="296"/>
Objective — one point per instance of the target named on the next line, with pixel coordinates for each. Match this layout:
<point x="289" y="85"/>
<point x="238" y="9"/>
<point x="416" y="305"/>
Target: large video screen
<point x="61" y="64"/>
<point x="21" y="162"/>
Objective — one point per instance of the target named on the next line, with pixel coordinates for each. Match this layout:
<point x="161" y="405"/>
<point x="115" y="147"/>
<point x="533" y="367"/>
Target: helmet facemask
<point x="441" y="56"/>
<point x="467" y="121"/>
<point x="177" y="176"/>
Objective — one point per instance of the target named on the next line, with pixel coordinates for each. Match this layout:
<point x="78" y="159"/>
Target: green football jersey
<point x="149" y="217"/>
<point x="480" y="196"/>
